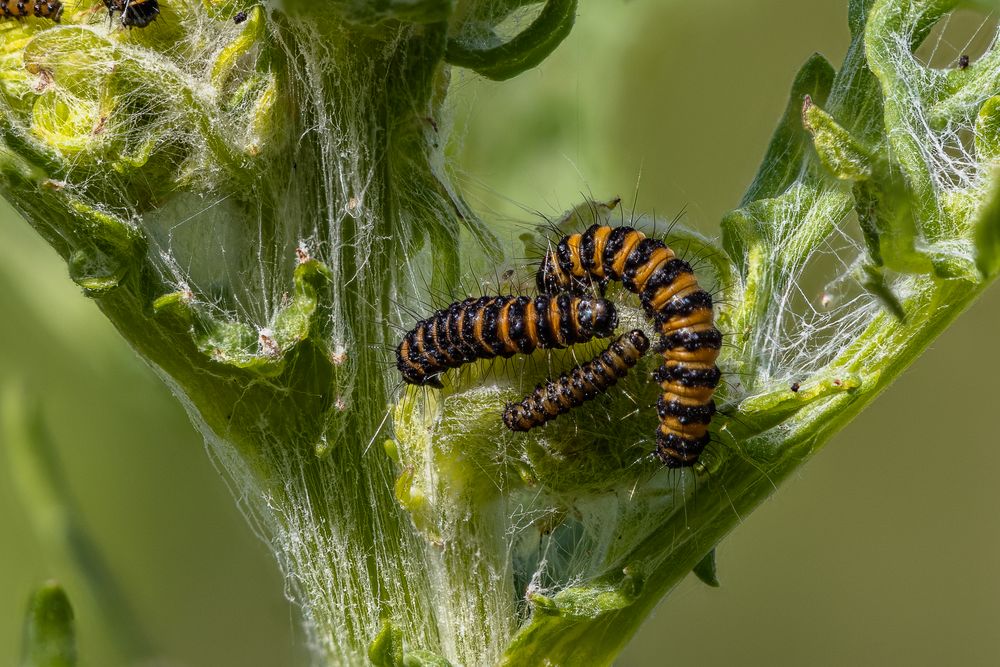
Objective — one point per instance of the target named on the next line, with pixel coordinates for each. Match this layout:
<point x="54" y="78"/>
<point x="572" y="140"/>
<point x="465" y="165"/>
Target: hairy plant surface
<point x="258" y="205"/>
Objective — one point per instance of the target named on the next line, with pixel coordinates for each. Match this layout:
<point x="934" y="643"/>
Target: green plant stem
<point x="675" y="547"/>
<point x="411" y="529"/>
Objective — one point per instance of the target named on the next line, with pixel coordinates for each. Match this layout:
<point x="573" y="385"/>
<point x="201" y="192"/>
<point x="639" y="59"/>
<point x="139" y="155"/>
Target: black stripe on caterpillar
<point x="679" y="308"/>
<point x="499" y="326"/>
<point x="582" y="383"/>
<point x="43" y="9"/>
<point x="135" y="13"/>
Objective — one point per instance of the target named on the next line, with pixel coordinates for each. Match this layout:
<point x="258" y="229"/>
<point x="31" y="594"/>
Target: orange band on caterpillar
<point x="499" y="326"/>
<point x="18" y="9"/>
<point x="681" y="312"/>
<point x="581" y="384"/>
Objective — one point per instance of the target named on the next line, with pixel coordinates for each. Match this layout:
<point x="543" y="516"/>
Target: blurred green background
<point x="883" y="551"/>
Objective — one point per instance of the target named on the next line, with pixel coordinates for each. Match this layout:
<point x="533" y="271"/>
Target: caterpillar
<point x="43" y="9"/>
<point x="581" y="384"/>
<point x="499" y="326"/>
<point x="681" y="312"/>
<point x="135" y="13"/>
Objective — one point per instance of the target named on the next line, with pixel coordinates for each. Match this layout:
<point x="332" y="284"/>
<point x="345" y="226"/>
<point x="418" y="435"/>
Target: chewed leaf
<point x="840" y="152"/>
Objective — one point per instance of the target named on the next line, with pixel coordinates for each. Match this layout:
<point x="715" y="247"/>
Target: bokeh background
<point x="884" y="550"/>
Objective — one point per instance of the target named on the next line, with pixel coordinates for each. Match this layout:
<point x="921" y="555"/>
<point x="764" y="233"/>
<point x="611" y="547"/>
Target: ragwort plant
<point x="252" y="204"/>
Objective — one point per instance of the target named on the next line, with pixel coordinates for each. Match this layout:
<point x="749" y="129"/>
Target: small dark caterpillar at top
<point x="583" y="383"/>
<point x="680" y="309"/>
<point x="499" y="326"/>
<point x="135" y="13"/>
<point x="18" y="9"/>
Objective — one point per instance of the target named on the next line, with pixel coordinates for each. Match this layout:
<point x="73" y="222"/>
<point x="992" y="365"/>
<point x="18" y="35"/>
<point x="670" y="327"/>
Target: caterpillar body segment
<point x="499" y="326"/>
<point x="681" y="312"/>
<point x="135" y="13"/>
<point x="43" y="9"/>
<point x="690" y="345"/>
<point x="579" y="385"/>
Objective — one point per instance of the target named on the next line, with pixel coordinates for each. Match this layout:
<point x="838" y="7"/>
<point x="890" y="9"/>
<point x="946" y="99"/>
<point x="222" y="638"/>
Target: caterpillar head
<point x="599" y="316"/>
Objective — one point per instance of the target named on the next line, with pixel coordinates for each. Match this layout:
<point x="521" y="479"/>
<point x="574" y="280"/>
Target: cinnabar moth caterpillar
<point x="581" y="384"/>
<point x="43" y="9"/>
<point x="680" y="310"/>
<point x="499" y="326"/>
<point x="135" y="13"/>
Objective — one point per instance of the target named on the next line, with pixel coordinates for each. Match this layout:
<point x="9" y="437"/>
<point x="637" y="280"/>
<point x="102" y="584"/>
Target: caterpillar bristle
<point x="500" y="326"/>
<point x="583" y="383"/>
<point x="681" y="312"/>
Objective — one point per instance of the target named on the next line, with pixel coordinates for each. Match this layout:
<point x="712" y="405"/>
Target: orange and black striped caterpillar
<point x="43" y="9"/>
<point x="499" y="326"/>
<point x="581" y="384"/>
<point x="135" y="13"/>
<point x="681" y="312"/>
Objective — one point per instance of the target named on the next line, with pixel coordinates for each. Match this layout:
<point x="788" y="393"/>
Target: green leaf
<point x="522" y="52"/>
<point x="49" y="633"/>
<point x="43" y="493"/>
<point x="866" y="208"/>
<point x="705" y="570"/>
<point x="386" y="650"/>
<point x="987" y="237"/>
<point x="874" y="281"/>
<point x="783" y="159"/>
<point x="988" y="130"/>
<point x="839" y="152"/>
<point x="422" y="658"/>
<point x="885" y="215"/>
<point x="371" y="14"/>
<point x="286" y="375"/>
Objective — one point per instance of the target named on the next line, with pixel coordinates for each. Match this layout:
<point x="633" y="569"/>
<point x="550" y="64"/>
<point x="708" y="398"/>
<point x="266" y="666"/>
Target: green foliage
<point x="504" y="60"/>
<point x="789" y="144"/>
<point x="251" y="216"/>
<point x="705" y="570"/>
<point x="49" y="634"/>
<point x="387" y="651"/>
<point x="44" y="493"/>
<point x="988" y="237"/>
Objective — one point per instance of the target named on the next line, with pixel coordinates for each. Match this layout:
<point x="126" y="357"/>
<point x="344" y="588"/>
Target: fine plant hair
<point x="261" y="206"/>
